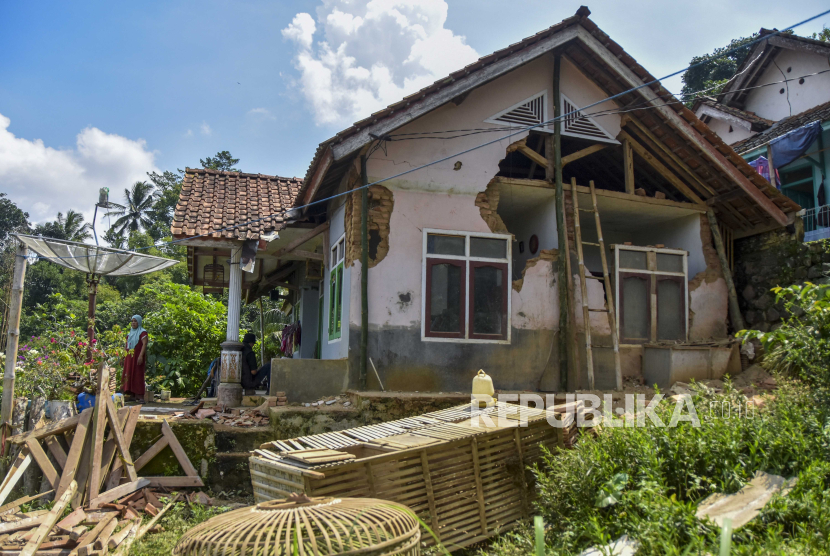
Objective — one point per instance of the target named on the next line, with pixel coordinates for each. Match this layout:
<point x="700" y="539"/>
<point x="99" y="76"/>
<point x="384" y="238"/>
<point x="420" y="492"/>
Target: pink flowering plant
<point x="54" y="363"/>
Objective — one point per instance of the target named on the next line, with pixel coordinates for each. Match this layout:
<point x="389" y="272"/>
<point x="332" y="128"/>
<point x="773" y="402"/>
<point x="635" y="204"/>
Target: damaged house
<point x="492" y="258"/>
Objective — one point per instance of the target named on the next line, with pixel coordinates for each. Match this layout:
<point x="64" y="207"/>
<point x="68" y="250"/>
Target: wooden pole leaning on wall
<point x="734" y="308"/>
<point x="20" y="260"/>
<point x="364" y="272"/>
<point x="554" y="173"/>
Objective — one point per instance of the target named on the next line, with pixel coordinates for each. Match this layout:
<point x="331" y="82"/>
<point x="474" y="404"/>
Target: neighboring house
<point x="782" y="85"/>
<point x="465" y="257"/>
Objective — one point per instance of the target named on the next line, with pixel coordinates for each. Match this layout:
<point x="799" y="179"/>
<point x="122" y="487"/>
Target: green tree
<point x="715" y="70"/>
<point x="168" y="186"/>
<point x="222" y="161"/>
<point x="71" y="227"/>
<point x="135" y="214"/>
<point x="12" y="220"/>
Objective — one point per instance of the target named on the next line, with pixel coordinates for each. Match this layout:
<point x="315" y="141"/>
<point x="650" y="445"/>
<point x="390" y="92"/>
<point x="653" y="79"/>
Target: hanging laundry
<point x="761" y="165"/>
<point x="788" y="147"/>
<point x="291" y="336"/>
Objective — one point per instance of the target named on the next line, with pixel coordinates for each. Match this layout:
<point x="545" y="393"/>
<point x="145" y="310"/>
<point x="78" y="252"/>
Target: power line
<point x="513" y="133"/>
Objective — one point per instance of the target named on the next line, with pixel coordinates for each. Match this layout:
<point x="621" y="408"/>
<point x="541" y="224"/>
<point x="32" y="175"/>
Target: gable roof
<point x="212" y="199"/>
<point x="741" y="197"/>
<point x="760" y="57"/>
<point x="820" y="112"/>
<point x="756" y="122"/>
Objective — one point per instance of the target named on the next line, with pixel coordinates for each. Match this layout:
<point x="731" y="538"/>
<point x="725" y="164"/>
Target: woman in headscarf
<point x="132" y="383"/>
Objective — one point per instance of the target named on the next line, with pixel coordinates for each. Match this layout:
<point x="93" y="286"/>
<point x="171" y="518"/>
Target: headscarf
<point x="135" y="333"/>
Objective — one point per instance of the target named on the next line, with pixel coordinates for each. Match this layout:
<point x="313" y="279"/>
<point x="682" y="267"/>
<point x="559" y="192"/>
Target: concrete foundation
<point x="308" y="380"/>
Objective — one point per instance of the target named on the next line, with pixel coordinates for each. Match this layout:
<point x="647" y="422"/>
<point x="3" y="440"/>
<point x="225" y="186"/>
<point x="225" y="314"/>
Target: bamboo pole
<point x="13" y="335"/>
<point x="261" y="334"/>
<point x="734" y="308"/>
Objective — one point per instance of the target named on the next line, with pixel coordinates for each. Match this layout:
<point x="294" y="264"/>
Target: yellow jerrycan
<point x="483" y="390"/>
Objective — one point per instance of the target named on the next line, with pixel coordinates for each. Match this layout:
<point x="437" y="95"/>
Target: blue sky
<point x="97" y="93"/>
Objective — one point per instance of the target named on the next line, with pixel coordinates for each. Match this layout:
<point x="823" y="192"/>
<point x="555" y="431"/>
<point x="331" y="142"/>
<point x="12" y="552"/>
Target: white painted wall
<point x="769" y="103"/>
<point x="337" y="349"/>
<point x="722" y="128"/>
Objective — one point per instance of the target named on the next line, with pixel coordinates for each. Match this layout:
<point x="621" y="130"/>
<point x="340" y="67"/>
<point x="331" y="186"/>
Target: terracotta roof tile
<point x="820" y="112"/>
<point x="211" y="199"/>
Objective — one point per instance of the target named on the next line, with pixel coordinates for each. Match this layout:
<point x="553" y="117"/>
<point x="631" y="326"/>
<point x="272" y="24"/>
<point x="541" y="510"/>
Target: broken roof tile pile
<point x="212" y="199"/>
<point x="820" y="112"/>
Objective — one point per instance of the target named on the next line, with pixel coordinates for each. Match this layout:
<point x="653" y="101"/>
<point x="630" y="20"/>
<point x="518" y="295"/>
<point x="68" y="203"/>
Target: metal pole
<point x="90" y="314"/>
<point x="364" y="273"/>
<point x="14" y="334"/>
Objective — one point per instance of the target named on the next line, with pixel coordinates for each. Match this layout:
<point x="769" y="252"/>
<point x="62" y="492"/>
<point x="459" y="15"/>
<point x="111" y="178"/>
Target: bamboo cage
<point x="465" y="478"/>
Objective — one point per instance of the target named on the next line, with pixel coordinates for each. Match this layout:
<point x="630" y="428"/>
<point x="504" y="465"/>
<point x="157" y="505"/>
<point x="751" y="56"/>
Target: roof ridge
<point x="240" y="174"/>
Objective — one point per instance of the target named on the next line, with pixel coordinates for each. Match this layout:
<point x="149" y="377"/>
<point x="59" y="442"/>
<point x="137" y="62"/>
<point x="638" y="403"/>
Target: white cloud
<point x="371" y="53"/>
<point x="43" y="180"/>
<point x="189" y="133"/>
<point x="261" y="113"/>
<point x="205" y="129"/>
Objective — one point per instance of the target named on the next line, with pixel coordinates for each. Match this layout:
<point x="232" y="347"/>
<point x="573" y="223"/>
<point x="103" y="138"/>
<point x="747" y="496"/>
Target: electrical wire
<point x="513" y="132"/>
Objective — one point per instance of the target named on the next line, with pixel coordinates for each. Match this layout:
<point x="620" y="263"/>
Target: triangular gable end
<point x="577" y="124"/>
<point x="531" y="111"/>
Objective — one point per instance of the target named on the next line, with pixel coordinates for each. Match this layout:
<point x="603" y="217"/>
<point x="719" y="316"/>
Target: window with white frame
<point x="466" y="281"/>
<point x="652" y="289"/>
<point x="338" y="254"/>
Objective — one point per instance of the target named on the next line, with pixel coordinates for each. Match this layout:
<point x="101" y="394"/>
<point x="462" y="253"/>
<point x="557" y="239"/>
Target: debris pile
<point x="97" y="478"/>
<point x="330" y="400"/>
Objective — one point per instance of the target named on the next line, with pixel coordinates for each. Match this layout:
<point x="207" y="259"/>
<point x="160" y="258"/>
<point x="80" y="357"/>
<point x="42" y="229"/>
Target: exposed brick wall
<point x="381" y="204"/>
<point x="487" y="202"/>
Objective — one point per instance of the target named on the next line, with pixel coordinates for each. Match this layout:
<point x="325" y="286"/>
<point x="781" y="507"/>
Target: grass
<point x="647" y="482"/>
<point x="175" y="522"/>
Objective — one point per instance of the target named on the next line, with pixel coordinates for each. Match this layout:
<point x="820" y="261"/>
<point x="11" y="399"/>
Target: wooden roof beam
<point x="583" y="153"/>
<point x="308" y="236"/>
<point x="709" y="150"/>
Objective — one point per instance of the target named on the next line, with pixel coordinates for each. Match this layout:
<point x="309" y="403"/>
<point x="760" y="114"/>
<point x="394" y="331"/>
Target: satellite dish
<point x="95" y="261"/>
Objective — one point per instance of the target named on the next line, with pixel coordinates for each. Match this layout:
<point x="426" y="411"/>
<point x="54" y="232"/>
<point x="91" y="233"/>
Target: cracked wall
<point x="381" y="205"/>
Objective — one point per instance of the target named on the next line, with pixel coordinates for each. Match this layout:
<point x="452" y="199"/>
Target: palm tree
<point x="72" y="227"/>
<point x="135" y="213"/>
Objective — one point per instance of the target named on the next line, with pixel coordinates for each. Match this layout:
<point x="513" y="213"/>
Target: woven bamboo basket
<point x="465" y="482"/>
<point x="307" y="527"/>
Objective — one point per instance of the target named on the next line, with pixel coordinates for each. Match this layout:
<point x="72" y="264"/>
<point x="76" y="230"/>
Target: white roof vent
<point x="576" y="124"/>
<point x="528" y="112"/>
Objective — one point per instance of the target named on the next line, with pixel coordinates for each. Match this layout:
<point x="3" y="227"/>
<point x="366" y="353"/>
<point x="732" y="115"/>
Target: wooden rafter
<point x="583" y="153"/>
<point x="521" y="146"/>
<point x="295" y="243"/>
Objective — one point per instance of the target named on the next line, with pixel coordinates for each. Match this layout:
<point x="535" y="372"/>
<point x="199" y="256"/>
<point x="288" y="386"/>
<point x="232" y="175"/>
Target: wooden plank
<point x="75" y="452"/>
<point x="102" y="542"/>
<point x="151" y="452"/>
<point x="122" y="445"/>
<point x="586" y="313"/>
<point x="11" y="507"/>
<point x="24" y="459"/>
<point x="82" y="473"/>
<point x="532" y="155"/>
<point x="628" y="167"/>
<point x="683" y="126"/>
<point x="175" y="482"/>
<point x="118" y="492"/>
<point x="583" y="153"/>
<point x="99" y="424"/>
<point x="433" y="512"/>
<point x="73" y="519"/>
<point x="49" y="430"/>
<point x="660" y="167"/>
<point x="308" y="236"/>
<point x="604" y="193"/>
<point x="43" y="462"/>
<point x="118" y="537"/>
<point x="189" y="470"/>
<point x="56" y="450"/>
<point x="110" y="446"/>
<point x="49" y="519"/>
<point x="93" y="535"/>
<point x="28" y="523"/>
<point x="129" y="430"/>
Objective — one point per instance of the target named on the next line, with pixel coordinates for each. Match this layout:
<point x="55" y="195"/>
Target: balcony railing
<point x="817" y="223"/>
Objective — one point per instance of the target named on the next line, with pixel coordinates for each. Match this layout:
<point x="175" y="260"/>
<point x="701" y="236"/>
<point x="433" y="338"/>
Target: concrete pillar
<point x="230" y="388"/>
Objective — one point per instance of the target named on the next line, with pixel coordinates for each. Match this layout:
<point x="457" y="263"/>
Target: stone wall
<point x="776" y="258"/>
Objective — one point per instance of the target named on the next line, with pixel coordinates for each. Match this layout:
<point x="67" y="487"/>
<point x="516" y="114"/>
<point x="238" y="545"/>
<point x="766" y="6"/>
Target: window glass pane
<point x="633" y="259"/>
<point x="488" y="300"/>
<point x="670" y="314"/>
<point x="341" y="250"/>
<point x="332" y="301"/>
<point x="445" y="245"/>
<point x="669" y="263"/>
<point x="339" y="297"/>
<point x="488" y="247"/>
<point x="634" y="307"/>
<point x="445" y="298"/>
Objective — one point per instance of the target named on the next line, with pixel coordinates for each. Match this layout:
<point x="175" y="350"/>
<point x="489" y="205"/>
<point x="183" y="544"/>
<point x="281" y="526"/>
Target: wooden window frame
<point x="470" y="303"/>
<point x="335" y="281"/>
<point x="431" y="262"/>
<point x="655" y="276"/>
<point x="465" y="261"/>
